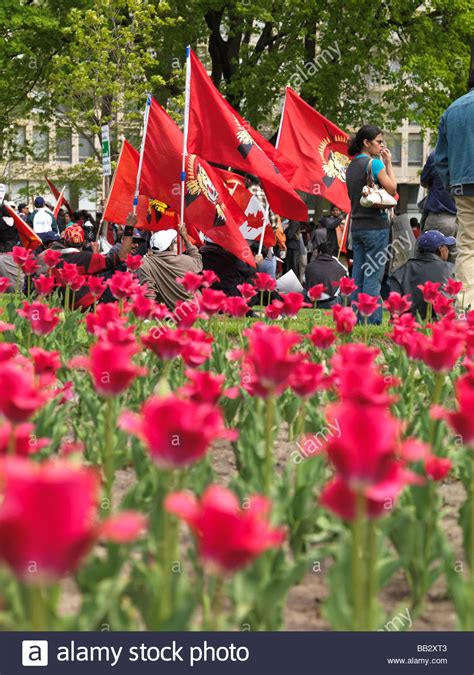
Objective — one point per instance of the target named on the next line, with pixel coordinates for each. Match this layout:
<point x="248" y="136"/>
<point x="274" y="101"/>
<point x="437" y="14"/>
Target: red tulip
<point x="441" y="351"/>
<point x="453" y="287"/>
<point x="211" y="302"/>
<point x="366" y="304"/>
<point x="20" y="255"/>
<point x="437" y="468"/>
<point x="344" y="318"/>
<point x="25" y="440"/>
<point x="274" y="309"/>
<point x="397" y="304"/>
<point x="247" y="291"/>
<point x="347" y="286"/>
<point x="191" y="281"/>
<point x="364" y="447"/>
<point x="112" y="368"/>
<point x="67" y="273"/>
<point x="185" y="431"/>
<point x="268" y="362"/>
<point x="292" y="303"/>
<point x="461" y="420"/>
<point x="338" y="497"/>
<point x="6" y="326"/>
<point x="5" y="284"/>
<point x="142" y="307"/>
<point x="429" y="290"/>
<point x="30" y="266"/>
<point x="236" y="306"/>
<point x="209" y="278"/>
<point x="44" y="285"/>
<point x="444" y="307"/>
<point x="229" y="536"/>
<point x="122" y="284"/>
<point x="322" y="337"/>
<point x="307" y="378"/>
<point x="77" y="283"/>
<point x="19" y="397"/>
<point x="264" y="282"/>
<point x="51" y="257"/>
<point x="185" y="313"/>
<point x="45" y="363"/>
<point x="358" y="378"/>
<point x="104" y="315"/>
<point x="197" y="347"/>
<point x="315" y="292"/>
<point x="161" y="311"/>
<point x="165" y="343"/>
<point x="118" y="334"/>
<point x="96" y="285"/>
<point x="69" y="447"/>
<point x="205" y="387"/>
<point x="133" y="262"/>
<point x="47" y="518"/>
<point x="43" y="319"/>
<point x="8" y="350"/>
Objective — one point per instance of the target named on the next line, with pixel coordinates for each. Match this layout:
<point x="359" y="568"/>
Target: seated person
<point x="231" y="270"/>
<point x="429" y="264"/>
<point x="326" y="269"/>
<point x="9" y="239"/>
<point x="266" y="262"/>
<point x="163" y="265"/>
<point x="72" y="247"/>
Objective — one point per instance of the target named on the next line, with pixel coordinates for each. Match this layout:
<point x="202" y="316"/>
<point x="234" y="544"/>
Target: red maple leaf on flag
<point x="255" y="220"/>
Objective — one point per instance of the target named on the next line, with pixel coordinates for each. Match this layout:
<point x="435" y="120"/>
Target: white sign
<point x="3" y="189"/>
<point x="106" y="164"/>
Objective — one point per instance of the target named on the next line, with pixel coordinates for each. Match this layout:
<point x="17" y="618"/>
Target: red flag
<point x="318" y="147"/>
<point x="218" y="133"/>
<point x="29" y="239"/>
<point x="151" y="214"/>
<point x="208" y="205"/>
<point x="56" y="193"/>
<point x="59" y="203"/>
<point x="250" y="205"/>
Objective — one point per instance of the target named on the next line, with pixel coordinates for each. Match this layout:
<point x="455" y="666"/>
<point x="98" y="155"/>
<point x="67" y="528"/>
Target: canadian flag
<point x="256" y="217"/>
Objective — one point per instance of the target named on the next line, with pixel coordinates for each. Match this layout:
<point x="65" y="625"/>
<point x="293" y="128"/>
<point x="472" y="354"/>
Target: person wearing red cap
<point x="91" y="261"/>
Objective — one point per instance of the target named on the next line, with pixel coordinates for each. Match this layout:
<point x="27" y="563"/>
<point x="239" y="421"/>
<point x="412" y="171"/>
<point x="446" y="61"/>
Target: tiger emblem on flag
<point x="334" y="160"/>
<point x="198" y="183"/>
<point x="246" y="141"/>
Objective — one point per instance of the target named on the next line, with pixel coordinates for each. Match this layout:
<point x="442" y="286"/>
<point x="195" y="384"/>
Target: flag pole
<point x="344" y="235"/>
<point x="187" y="92"/>
<point x="101" y="224"/>
<point x="262" y="236"/>
<point x="277" y="143"/>
<point x="142" y="152"/>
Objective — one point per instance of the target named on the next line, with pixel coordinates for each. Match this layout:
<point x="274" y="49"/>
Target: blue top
<point x="439" y="200"/>
<point x="377" y="166"/>
<point x="454" y="152"/>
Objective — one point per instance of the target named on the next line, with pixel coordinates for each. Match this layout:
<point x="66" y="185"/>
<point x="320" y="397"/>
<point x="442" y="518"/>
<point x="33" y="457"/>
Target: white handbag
<point x="373" y="197"/>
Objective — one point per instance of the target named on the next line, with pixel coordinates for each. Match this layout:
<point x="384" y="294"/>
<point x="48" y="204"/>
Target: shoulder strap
<point x="370" y="177"/>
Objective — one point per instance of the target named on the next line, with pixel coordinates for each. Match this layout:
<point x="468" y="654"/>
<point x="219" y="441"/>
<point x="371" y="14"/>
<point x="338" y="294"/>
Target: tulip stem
<point x="108" y="458"/>
<point x="269" y="418"/>
<point x="261" y="299"/>
<point x="366" y="328"/>
<point x="216" y="606"/>
<point x="38" y="613"/>
<point x="358" y="585"/>
<point x="11" y="441"/>
<point x="435" y="398"/>
<point x="372" y="581"/>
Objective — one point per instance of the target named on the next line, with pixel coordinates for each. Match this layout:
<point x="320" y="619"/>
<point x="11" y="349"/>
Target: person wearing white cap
<point x="162" y="266"/>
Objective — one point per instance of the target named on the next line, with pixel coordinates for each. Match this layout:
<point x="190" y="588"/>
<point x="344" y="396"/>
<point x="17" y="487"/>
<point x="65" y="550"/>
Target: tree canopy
<point x="83" y="63"/>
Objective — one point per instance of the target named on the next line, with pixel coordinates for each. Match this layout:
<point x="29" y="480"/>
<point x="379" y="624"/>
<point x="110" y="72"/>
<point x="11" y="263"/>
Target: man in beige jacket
<point x="162" y="265"/>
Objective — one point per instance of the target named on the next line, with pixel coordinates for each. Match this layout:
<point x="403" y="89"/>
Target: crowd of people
<point x="379" y="247"/>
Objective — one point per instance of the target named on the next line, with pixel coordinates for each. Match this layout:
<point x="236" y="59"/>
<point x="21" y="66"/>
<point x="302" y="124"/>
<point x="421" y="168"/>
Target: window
<point x="415" y="150"/>
<point x="394" y="143"/>
<point x="86" y="147"/>
<point x="63" y="145"/>
<point x="41" y="143"/>
<point x="18" y="147"/>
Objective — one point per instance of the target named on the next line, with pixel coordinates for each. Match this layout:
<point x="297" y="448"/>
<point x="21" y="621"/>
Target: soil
<point x="303" y="611"/>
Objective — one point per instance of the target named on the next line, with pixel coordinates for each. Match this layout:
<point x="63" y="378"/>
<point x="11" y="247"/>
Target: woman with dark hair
<point x="370" y="227"/>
